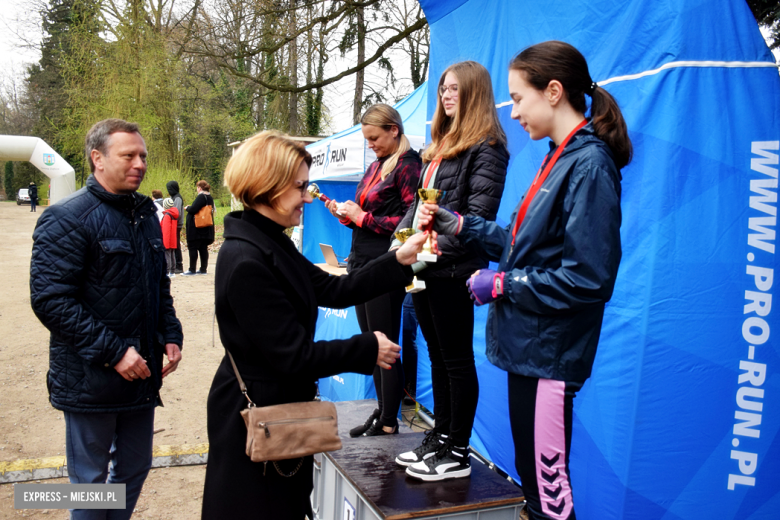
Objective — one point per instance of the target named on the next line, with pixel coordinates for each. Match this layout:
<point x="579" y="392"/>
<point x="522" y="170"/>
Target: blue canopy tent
<point x="678" y="420"/>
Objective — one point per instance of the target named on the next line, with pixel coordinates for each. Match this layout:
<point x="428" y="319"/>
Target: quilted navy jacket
<point x="562" y="269"/>
<point x="98" y="283"/>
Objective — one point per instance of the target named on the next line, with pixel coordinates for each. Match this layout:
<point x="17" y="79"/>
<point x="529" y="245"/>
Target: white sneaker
<point x="432" y="442"/>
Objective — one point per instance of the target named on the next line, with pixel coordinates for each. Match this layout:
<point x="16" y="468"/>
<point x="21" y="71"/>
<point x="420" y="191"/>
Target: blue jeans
<point x="92" y="440"/>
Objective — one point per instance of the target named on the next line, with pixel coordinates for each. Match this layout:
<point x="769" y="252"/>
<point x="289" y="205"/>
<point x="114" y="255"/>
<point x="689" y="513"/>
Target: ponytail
<point x="546" y="61"/>
<point x="610" y="127"/>
<point x="392" y="161"/>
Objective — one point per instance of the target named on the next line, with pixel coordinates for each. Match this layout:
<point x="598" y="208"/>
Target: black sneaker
<point x="357" y="431"/>
<point x="449" y="462"/>
<point x="430" y="444"/>
<point x="378" y="429"/>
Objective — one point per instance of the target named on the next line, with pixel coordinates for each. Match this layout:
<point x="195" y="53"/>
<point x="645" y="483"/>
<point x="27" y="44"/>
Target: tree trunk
<point x="293" y="71"/>
<point x="357" y="106"/>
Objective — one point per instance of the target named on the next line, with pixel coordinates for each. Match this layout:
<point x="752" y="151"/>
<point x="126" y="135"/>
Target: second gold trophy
<point x="430" y="196"/>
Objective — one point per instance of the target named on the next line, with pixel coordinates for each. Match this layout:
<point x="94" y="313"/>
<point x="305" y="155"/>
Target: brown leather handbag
<point x="288" y="431"/>
<point x="203" y="218"/>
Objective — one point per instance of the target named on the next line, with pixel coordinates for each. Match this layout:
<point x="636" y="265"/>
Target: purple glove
<point x="486" y="287"/>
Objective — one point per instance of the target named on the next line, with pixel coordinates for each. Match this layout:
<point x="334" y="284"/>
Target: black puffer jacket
<point x="98" y="283"/>
<point x="474" y="184"/>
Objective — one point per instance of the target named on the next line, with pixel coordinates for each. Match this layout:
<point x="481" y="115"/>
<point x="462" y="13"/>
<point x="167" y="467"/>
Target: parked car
<point x="22" y="197"/>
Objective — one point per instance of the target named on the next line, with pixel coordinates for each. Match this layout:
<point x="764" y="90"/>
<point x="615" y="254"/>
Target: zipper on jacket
<point x="265" y="424"/>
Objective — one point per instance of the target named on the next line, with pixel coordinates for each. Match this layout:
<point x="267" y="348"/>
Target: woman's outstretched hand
<point x="407" y="253"/>
<point x="388" y="351"/>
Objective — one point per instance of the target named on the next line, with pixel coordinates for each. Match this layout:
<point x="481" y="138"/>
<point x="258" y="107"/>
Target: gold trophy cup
<point x="430" y="196"/>
<point x="417" y="285"/>
<point x="315" y="192"/>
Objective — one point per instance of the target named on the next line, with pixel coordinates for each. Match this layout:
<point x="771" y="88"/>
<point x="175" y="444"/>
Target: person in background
<point x="157" y="198"/>
<point x="173" y="191"/>
<point x="264" y="284"/>
<point x="467" y="159"/>
<point x="168" y="224"/>
<point x="32" y="191"/>
<point x="557" y="262"/>
<point x="199" y="238"/>
<point x="97" y="282"/>
<point x="382" y="198"/>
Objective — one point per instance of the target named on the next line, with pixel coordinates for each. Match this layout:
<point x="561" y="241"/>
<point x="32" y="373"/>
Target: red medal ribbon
<point x="433" y="165"/>
<point x="539" y="180"/>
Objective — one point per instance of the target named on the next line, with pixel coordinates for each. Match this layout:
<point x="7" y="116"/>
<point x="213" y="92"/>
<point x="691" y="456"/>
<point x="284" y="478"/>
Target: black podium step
<point x="363" y="482"/>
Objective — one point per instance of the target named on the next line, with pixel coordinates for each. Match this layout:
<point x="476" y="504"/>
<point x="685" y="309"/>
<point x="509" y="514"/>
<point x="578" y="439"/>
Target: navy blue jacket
<point x="562" y="269"/>
<point x="98" y="283"/>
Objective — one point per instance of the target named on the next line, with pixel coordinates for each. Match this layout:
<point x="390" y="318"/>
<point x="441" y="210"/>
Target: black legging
<point x="179" y="261"/>
<point x="446" y="317"/>
<point x="196" y="247"/>
<point x="540" y="414"/>
<point x="383" y="314"/>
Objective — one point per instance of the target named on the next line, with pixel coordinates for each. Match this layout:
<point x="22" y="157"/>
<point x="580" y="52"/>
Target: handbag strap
<point x="240" y="381"/>
<point x="232" y="362"/>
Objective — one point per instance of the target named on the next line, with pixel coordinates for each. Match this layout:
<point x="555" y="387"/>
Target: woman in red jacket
<point x="169" y="231"/>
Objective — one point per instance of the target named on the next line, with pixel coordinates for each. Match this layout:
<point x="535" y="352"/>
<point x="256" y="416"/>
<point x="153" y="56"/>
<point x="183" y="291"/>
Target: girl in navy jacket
<point x="557" y="262"/>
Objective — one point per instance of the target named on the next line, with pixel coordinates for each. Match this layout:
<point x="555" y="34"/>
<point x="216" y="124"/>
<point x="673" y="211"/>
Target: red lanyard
<point x="433" y="165"/>
<point x="539" y="180"/>
<point x="370" y="184"/>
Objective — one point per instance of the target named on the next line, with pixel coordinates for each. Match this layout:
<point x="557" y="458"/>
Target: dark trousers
<point x="409" y="344"/>
<point x="383" y="314"/>
<point x="446" y="317"/>
<point x="540" y="414"/>
<point x="124" y="439"/>
<point x="179" y="261"/>
<point x="32" y="203"/>
<point x="195" y="248"/>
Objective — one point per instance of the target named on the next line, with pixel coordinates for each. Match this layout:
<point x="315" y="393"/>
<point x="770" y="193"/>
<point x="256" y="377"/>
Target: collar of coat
<point x="133" y="202"/>
<point x="279" y="250"/>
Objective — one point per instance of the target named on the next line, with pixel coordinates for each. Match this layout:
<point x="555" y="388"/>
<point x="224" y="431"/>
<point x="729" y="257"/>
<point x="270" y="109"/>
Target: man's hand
<point x="388" y="351"/>
<point x="132" y="366"/>
<point x="174" y="356"/>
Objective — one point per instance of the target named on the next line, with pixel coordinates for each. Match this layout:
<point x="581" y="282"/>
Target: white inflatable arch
<point x="43" y="157"/>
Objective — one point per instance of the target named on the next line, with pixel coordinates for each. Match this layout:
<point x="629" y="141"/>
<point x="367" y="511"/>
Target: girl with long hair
<point x="557" y="262"/>
<point x="467" y="159"/>
<point x="382" y="198"/>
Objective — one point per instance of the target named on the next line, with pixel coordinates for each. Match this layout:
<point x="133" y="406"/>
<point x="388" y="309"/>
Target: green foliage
<point x="159" y="172"/>
<point x="767" y="12"/>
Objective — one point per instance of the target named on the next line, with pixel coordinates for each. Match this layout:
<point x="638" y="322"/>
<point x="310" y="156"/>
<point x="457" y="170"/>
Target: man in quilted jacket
<point x="98" y="283"/>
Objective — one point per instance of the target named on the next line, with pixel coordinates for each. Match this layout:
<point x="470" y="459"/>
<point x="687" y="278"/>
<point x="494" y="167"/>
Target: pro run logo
<point x="757" y="310"/>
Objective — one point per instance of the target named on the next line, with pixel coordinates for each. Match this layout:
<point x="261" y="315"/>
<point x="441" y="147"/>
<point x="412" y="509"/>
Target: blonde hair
<point x="385" y="117"/>
<point x="476" y="119"/>
<point x="263" y="167"/>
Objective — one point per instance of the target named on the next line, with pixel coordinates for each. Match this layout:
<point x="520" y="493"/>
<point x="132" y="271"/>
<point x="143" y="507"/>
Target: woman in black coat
<point x="267" y="295"/>
<point x="199" y="238"/>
